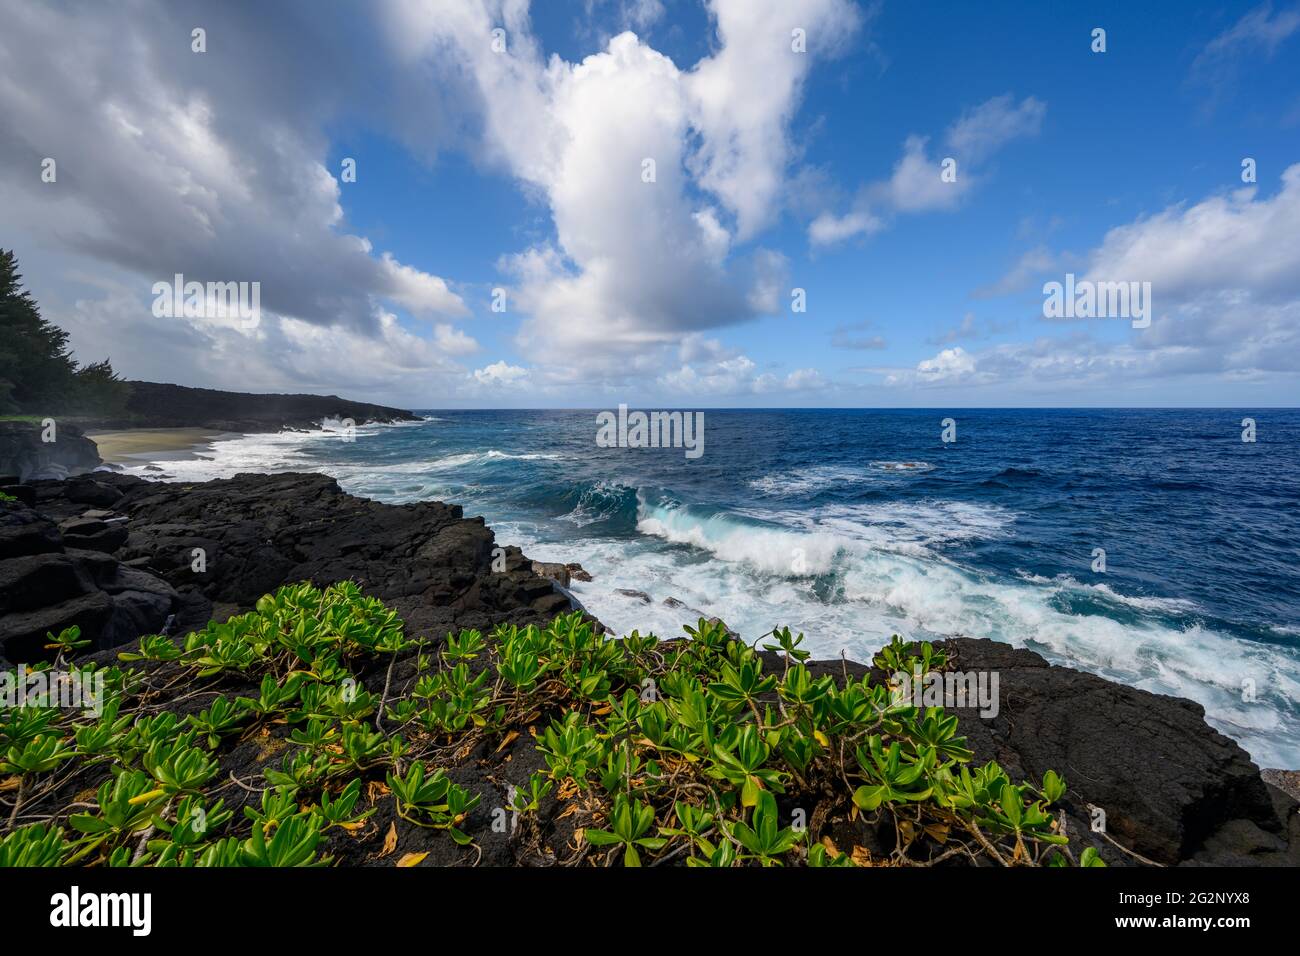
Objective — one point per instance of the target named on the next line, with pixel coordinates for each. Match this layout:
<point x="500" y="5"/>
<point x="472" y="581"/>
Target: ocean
<point x="853" y="525"/>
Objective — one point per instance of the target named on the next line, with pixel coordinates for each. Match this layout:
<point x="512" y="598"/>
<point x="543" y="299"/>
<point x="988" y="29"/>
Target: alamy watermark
<point x="976" y="689"/>
<point x="133" y="911"/>
<point x="76" y="690"/>
<point x="1085" y="299"/>
<point x="212" y="300"/>
<point x="652" y="430"/>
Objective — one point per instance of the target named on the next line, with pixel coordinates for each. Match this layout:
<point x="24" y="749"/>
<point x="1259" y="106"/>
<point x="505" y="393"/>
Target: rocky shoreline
<point x="120" y="556"/>
<point x="29" y="452"/>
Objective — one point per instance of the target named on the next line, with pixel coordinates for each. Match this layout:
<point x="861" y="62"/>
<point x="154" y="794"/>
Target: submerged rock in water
<point x="558" y="573"/>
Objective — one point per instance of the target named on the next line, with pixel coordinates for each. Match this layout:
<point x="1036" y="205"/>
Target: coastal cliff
<point x="121" y="557"/>
<point x="26" y="454"/>
<point x="158" y="405"/>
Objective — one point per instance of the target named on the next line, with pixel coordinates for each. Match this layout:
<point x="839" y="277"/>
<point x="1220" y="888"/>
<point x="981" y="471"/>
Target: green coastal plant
<point x="34" y="845"/>
<point x="273" y="696"/>
<point x="629" y="820"/>
<point x="37" y="755"/>
<point x="432" y="800"/>
<point x="340" y="811"/>
<point x="292" y="844"/>
<point x="68" y="640"/>
<point x="126" y="804"/>
<point x="315" y="710"/>
<point x="153" y="647"/>
<point x="222" y="716"/>
<point x="178" y="767"/>
<point x="765" y="841"/>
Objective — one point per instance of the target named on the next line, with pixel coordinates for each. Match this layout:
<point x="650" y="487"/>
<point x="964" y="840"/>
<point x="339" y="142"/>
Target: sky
<point x="665" y="203"/>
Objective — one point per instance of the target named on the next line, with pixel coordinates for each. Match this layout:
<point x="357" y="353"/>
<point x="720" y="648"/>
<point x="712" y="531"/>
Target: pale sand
<point x="140" y="445"/>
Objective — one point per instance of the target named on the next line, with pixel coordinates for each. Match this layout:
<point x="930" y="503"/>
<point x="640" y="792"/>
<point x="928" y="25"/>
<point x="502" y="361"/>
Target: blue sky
<point x="482" y="169"/>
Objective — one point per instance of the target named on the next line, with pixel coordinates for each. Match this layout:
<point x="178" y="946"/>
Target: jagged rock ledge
<point x="121" y="557"/>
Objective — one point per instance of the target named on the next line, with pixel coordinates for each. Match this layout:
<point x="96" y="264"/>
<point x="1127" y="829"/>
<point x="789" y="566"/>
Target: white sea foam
<point x="772" y="550"/>
<point x="903" y="466"/>
<point x="477" y="458"/>
<point x="1064" y="583"/>
<point x="809" y="481"/>
<point x="878" y="588"/>
<point x="269" y="452"/>
<point x="806" y="481"/>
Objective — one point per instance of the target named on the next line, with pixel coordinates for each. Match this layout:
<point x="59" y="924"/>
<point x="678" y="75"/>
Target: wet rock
<point x="1288" y="781"/>
<point x="553" y="571"/>
<point x="679" y="605"/>
<point x="730" y="633"/>
<point x="636" y="595"/>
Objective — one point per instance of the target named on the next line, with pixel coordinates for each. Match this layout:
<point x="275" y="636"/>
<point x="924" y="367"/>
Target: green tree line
<point x="38" y="375"/>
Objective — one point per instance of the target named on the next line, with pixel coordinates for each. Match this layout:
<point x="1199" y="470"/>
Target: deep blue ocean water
<point x="852" y="525"/>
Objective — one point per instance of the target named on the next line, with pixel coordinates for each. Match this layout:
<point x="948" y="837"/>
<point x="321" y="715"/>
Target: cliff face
<point x="155" y="405"/>
<point x="127" y="555"/>
<point x="25" y="455"/>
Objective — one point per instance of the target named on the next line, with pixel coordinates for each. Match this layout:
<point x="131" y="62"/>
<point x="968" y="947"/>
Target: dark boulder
<point x="1164" y="779"/>
<point x="93" y="534"/>
<point x="51" y="581"/>
<point x="39" y="580"/>
<point x="23" y="493"/>
<point x="23" y="635"/>
<point x="25" y="455"/>
<point x="23" y="532"/>
<point x="88" y="491"/>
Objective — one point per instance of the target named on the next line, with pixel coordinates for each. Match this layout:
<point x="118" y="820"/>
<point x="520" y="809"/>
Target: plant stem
<point x="18" y="801"/>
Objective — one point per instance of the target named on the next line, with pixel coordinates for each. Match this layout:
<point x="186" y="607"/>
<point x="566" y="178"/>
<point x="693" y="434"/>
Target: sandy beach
<point x="137" y="445"/>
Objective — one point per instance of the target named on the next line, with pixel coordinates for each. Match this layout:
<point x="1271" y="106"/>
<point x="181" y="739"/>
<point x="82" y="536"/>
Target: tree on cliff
<point x="37" y="373"/>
